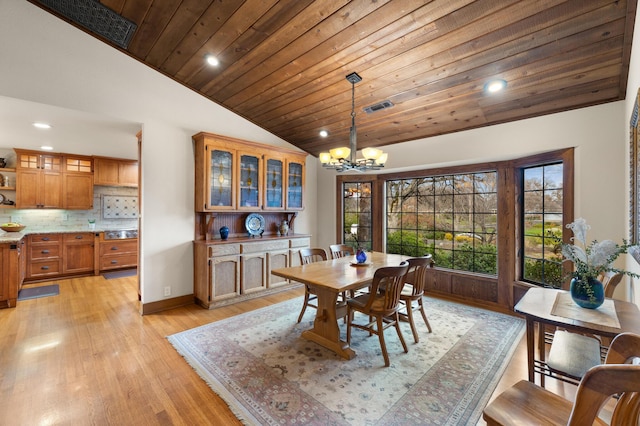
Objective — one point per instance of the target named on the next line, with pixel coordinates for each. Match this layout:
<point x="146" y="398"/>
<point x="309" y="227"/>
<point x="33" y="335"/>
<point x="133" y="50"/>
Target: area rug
<point x="36" y="292"/>
<point x="258" y="363"/>
<point x="120" y="274"/>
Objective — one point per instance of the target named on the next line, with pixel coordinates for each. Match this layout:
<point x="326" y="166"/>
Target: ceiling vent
<point x="95" y="17"/>
<point x="378" y="106"/>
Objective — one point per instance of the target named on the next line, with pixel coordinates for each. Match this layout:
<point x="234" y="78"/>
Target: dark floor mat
<point x="120" y="274"/>
<point x="35" y="292"/>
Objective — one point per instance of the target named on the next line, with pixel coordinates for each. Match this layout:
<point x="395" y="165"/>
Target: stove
<point x="121" y="234"/>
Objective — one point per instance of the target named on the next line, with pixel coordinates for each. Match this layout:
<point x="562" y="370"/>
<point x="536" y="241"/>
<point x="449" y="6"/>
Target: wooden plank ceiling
<point x="283" y="63"/>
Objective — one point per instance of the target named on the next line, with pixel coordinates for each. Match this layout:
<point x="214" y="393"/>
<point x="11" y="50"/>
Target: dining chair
<point x="341" y="250"/>
<point x="411" y="297"/>
<point x="526" y="403"/>
<point x="310" y="255"/>
<point x="381" y="305"/>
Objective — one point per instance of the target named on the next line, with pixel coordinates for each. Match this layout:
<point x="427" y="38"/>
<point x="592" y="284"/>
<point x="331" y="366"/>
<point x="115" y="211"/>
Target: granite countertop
<point x="13" y="237"/>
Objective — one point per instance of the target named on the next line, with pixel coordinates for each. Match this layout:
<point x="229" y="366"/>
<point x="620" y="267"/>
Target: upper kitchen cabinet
<point x="236" y="175"/>
<point x="115" y="172"/>
<point x="77" y="182"/>
<point x="38" y="180"/>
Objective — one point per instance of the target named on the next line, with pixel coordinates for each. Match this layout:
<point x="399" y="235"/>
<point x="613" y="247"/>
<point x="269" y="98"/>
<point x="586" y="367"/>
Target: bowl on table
<point x="16" y="227"/>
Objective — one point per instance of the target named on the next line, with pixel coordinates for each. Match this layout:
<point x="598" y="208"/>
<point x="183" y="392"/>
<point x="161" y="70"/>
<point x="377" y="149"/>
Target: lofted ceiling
<point x="283" y="63"/>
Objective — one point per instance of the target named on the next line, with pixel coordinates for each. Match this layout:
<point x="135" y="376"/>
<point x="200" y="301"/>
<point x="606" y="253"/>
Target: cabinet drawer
<point x="44" y="238"/>
<point x="81" y="237"/>
<point x="265" y="246"/>
<point x="44" y="252"/>
<point x="44" y="268"/>
<point x="122" y="261"/>
<point x="300" y="242"/>
<point x="224" y="250"/>
<point x="118" y="247"/>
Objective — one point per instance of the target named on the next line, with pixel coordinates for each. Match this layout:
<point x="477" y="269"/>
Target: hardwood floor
<point x="88" y="357"/>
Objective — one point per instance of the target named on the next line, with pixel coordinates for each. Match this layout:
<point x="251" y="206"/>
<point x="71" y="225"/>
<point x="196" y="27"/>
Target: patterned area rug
<point x="258" y="363"/>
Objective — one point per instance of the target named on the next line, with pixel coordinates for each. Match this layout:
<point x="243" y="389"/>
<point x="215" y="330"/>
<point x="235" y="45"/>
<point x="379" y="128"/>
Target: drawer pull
<point x="114" y="262"/>
<point x="45" y="252"/>
<point x="78" y="237"/>
<point x="45" y="238"/>
<point x="45" y="268"/>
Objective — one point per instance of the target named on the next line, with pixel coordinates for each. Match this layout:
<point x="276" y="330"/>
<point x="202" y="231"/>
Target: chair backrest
<point x="615" y="377"/>
<point x="417" y="274"/>
<point x="341" y="250"/>
<point x="610" y="280"/>
<point x="310" y="255"/>
<point x="391" y="278"/>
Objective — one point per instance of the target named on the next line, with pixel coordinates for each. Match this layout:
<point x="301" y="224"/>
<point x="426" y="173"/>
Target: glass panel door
<point x="294" y="186"/>
<point x="273" y="193"/>
<point x="221" y="180"/>
<point x="249" y="182"/>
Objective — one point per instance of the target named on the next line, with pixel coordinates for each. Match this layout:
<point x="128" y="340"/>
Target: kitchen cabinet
<point x="77" y="182"/>
<point x="228" y="272"/>
<point x="118" y="254"/>
<point x="39" y="181"/>
<point x="44" y="256"/>
<point x="12" y="264"/>
<point x="78" y="253"/>
<point x="235" y="175"/>
<point x="115" y="172"/>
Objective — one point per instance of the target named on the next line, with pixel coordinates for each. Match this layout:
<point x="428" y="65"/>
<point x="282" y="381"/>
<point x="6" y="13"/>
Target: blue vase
<point x="361" y="256"/>
<point x="589" y="294"/>
<point x="224" y="232"/>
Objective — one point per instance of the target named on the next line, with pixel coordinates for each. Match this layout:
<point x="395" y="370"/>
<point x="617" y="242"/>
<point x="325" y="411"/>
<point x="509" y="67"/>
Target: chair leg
<point x="424" y="315"/>
<point x="383" y="346"/>
<point x="304" y="304"/>
<point x="404" y="344"/>
<point x="411" y="323"/>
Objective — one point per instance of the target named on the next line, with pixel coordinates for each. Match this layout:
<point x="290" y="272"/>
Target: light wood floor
<point x="88" y="357"/>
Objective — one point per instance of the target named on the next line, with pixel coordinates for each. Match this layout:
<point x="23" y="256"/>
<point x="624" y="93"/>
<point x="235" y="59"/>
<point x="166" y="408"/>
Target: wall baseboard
<point x="163" y="305"/>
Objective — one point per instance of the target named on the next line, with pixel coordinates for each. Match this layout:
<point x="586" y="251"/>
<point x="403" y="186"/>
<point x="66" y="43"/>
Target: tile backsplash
<point x="54" y="218"/>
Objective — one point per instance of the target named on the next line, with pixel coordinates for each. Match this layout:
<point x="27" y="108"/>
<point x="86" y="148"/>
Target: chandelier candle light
<point x="343" y="158"/>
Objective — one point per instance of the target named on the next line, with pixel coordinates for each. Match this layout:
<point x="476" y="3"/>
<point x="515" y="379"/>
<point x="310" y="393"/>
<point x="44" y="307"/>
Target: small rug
<point x="258" y="363"/>
<point x="120" y="274"/>
<point x="36" y="292"/>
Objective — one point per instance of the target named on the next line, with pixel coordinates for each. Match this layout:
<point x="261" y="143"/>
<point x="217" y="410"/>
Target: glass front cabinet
<point x="236" y="175"/>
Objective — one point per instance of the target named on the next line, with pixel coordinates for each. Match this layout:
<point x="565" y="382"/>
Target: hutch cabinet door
<point x="249" y="181"/>
<point x="221" y="179"/>
<point x="274" y="194"/>
<point x="295" y="184"/>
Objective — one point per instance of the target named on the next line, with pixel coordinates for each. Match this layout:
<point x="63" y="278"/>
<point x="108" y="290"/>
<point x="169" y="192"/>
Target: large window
<point x="453" y="217"/>
<point x="357" y="218"/>
<point x="542" y="215"/>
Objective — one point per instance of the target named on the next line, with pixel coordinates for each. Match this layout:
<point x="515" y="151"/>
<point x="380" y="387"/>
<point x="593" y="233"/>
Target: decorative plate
<point x="254" y="224"/>
<point x="1" y="199"/>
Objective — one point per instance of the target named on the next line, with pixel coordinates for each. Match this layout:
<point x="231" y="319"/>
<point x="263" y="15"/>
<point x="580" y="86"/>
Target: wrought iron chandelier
<point x="344" y="159"/>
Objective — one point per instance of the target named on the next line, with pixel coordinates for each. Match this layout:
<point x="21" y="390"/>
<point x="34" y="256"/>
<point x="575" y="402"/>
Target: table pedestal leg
<point x="325" y="331"/>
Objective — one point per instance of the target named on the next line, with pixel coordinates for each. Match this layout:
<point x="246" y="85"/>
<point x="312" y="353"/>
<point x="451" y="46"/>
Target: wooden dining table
<point x="327" y="279"/>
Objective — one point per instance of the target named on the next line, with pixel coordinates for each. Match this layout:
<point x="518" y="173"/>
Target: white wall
<point x="45" y="60"/>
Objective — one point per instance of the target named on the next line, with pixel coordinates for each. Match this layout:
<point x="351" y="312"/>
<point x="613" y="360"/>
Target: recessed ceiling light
<point x="41" y="125"/>
<point x="495" y="85"/>
<point x="324" y="133"/>
<point x="46" y="148"/>
<point x="212" y="60"/>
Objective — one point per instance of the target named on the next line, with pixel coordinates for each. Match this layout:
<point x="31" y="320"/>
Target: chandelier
<point x="344" y="159"/>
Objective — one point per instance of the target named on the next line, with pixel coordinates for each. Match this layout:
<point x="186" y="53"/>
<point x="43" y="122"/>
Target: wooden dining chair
<point x="526" y="403"/>
<point x="310" y="255"/>
<point x="341" y="250"/>
<point x="610" y="280"/>
<point x="412" y="293"/>
<point x="381" y="305"/>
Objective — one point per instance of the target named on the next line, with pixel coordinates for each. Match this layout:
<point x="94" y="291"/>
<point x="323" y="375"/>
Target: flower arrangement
<point x="595" y="258"/>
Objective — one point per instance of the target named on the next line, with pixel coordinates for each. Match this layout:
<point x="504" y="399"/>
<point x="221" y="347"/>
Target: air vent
<point x="378" y="106"/>
<point x="95" y="17"/>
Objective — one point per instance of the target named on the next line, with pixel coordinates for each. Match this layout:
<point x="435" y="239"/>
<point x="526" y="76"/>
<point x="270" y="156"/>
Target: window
<point x="542" y="216"/>
<point x="357" y="218"/>
<point x="453" y="217"/>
